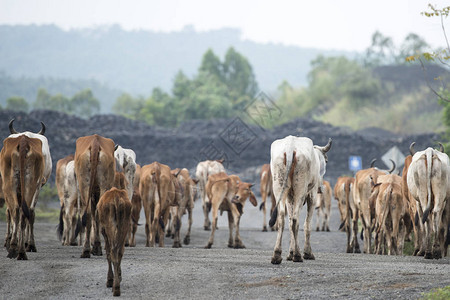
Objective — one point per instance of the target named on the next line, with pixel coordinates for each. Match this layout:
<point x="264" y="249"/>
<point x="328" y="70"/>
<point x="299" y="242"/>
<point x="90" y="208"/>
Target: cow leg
<point x="437" y="217"/>
<point x="177" y="228"/>
<point x="148" y="222"/>
<point x="276" y="257"/>
<point x="355" y="243"/>
<point x="272" y="197"/>
<point x="230" y="227"/>
<point x="263" y="207"/>
<point x="307" y="252"/>
<point x="327" y="217"/>
<point x="215" y="208"/>
<point x="417" y="239"/>
<point x="206" y="207"/>
<point x="97" y="248"/>
<point x="401" y="237"/>
<point x="238" y="244"/>
<point x="110" y="275"/>
<point x="12" y="250"/>
<point x="8" y="229"/>
<point x="133" y="230"/>
<point x="117" y="270"/>
<point x="318" y="219"/>
<point x="31" y="245"/>
<point x="428" y="237"/>
<point x="187" y="238"/>
<point x="87" y="238"/>
<point x="73" y="229"/>
<point x="422" y="232"/>
<point x="22" y="255"/>
<point x="348" y="231"/>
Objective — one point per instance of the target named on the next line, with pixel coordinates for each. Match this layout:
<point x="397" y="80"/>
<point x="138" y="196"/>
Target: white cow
<point x="126" y="158"/>
<point x="429" y="184"/>
<point x="297" y="173"/>
<point x="205" y="169"/>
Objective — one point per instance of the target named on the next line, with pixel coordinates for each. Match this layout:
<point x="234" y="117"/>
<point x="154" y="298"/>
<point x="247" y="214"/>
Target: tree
<point x="381" y="51"/>
<point x="42" y="99"/>
<point x="128" y="107"/>
<point x="413" y="44"/>
<point x="84" y="104"/>
<point x="17" y="104"/>
<point x="211" y="65"/>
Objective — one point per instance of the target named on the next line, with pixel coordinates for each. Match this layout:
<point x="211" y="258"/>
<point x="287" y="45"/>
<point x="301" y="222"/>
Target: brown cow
<point x="323" y="206"/>
<point x="361" y="195"/>
<point x="22" y="167"/>
<point x="203" y="171"/>
<point x="390" y="213"/>
<point x="228" y="193"/>
<point x="349" y="211"/>
<point x="68" y="195"/>
<point x="157" y="189"/>
<point x="266" y="191"/>
<point x="188" y="196"/>
<point x="114" y="214"/>
<point x="95" y="170"/>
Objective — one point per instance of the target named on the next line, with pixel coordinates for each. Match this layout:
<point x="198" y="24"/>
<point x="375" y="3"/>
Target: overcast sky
<point x="331" y="24"/>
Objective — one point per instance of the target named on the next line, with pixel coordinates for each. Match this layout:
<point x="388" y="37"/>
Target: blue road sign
<point x="354" y="163"/>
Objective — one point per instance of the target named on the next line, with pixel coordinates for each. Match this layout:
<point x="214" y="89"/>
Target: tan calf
<point x="114" y="214"/>
<point x="323" y="207"/>
<point x="228" y="193"/>
<point x="266" y="191"/>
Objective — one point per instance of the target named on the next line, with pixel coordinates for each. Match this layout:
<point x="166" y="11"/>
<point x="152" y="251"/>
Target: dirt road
<point x="57" y="272"/>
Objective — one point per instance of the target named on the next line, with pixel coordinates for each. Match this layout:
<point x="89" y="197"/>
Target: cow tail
<point x="24" y="147"/>
<point x="95" y="149"/>
<point x="122" y="215"/>
<point x="347" y="217"/>
<point x="387" y="204"/>
<point x="290" y="162"/>
<point x="429" y="161"/>
<point x="60" y="229"/>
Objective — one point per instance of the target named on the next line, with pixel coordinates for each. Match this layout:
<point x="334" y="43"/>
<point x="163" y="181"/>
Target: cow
<point x="428" y="182"/>
<point x="136" y="206"/>
<point x="203" y="171"/>
<point x="389" y="214"/>
<point x="411" y="206"/>
<point x="361" y="195"/>
<point x="114" y="215"/>
<point x="126" y="159"/>
<point x="297" y="168"/>
<point x="323" y="206"/>
<point x="157" y="189"/>
<point x="66" y="184"/>
<point x="349" y="212"/>
<point x="228" y="193"/>
<point x="188" y="196"/>
<point x="95" y="170"/>
<point x="266" y="191"/>
<point x="24" y="170"/>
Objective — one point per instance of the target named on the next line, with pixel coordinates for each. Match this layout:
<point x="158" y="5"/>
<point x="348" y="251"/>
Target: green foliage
<point x="47" y="195"/>
<point x="218" y="90"/>
<point x="438" y="294"/>
<point x="82" y="104"/>
<point x="17" y="104"/>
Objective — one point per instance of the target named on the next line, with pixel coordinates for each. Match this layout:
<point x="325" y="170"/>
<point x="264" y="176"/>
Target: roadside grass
<point x="438" y="294"/>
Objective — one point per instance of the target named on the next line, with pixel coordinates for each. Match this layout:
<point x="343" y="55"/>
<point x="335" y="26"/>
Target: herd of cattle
<point x="102" y="189"/>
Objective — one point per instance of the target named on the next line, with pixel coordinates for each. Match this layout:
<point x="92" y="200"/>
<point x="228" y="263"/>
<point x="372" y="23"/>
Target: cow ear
<point x="195" y="181"/>
<point x="253" y="199"/>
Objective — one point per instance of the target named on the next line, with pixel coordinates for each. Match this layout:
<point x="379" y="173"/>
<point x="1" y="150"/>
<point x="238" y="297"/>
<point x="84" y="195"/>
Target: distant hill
<point x="138" y="61"/>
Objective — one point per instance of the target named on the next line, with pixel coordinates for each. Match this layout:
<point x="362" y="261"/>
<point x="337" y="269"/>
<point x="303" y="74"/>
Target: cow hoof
<point x="230" y="245"/>
<point x="109" y="283"/>
<point x="208" y="246"/>
<point x="239" y="246"/>
<point x="309" y="256"/>
<point x="264" y="229"/>
<point x="416" y="251"/>
<point x="291" y="254"/>
<point x="207" y="228"/>
<point x="297" y="258"/>
<point x="127" y="245"/>
<point x="317" y="229"/>
<point x="437" y="254"/>
<point x="97" y="250"/>
<point x="12" y="253"/>
<point x="357" y="250"/>
<point x="73" y="244"/>
<point x="168" y="234"/>
<point x="116" y="292"/>
<point x="428" y="255"/>
<point x="187" y="240"/>
<point x="276" y="259"/>
<point x="176" y="245"/>
<point x="22" y="256"/>
<point x="31" y="248"/>
<point x="328" y="229"/>
<point x="421" y="253"/>
<point x="85" y="254"/>
<point x="272" y="228"/>
<point x="349" y="250"/>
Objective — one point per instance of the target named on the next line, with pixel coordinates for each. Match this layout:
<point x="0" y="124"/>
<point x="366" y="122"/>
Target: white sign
<point x="396" y="155"/>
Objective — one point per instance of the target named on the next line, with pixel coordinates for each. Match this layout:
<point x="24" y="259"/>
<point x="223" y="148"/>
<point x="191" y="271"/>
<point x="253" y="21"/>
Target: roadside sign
<point x="354" y="163"/>
<point x="396" y="155"/>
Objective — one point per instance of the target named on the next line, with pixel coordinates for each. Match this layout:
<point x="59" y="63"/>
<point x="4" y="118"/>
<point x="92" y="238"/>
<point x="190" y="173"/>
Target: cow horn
<point x="251" y="185"/>
<point x="116" y="146"/>
<point x="441" y="147"/>
<point x="327" y="147"/>
<point x="411" y="149"/>
<point x="373" y="162"/>
<point x="42" y="131"/>
<point x="11" y="128"/>
<point x="393" y="166"/>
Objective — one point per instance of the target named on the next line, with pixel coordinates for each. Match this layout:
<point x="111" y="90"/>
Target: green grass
<point x="438" y="294"/>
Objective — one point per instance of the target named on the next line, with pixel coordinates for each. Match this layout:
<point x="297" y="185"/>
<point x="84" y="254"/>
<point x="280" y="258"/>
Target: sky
<point x="324" y="24"/>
